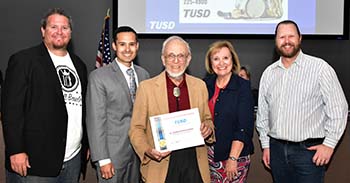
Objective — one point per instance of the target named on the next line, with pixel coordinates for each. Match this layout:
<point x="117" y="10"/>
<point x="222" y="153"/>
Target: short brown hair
<point x="58" y="11"/>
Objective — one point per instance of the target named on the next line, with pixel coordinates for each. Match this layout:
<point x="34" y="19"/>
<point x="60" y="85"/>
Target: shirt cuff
<point x="330" y="142"/>
<point x="104" y="162"/>
<point x="265" y="143"/>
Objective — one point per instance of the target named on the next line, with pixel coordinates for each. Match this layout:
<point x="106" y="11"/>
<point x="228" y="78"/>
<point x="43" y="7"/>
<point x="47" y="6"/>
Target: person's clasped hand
<point x="156" y="155"/>
<point x="206" y="130"/>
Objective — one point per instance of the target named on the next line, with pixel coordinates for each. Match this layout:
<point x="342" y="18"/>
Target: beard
<point x="62" y="44"/>
<point x="57" y="42"/>
<point x="59" y="46"/>
<point x="177" y="75"/>
<point x="296" y="49"/>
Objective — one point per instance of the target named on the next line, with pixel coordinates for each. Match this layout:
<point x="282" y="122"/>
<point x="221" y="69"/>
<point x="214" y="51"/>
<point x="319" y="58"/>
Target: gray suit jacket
<point x="109" y="109"/>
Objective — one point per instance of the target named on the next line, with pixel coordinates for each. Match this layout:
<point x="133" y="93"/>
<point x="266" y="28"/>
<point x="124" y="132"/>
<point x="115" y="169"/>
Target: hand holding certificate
<point x="177" y="130"/>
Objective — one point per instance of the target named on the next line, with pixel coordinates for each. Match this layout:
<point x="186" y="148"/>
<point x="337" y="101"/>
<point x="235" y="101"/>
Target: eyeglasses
<point x="180" y="57"/>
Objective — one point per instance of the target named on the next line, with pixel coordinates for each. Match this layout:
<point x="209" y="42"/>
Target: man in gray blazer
<point x="109" y="108"/>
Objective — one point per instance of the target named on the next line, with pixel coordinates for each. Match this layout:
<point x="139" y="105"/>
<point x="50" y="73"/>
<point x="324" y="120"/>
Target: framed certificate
<point x="177" y="130"/>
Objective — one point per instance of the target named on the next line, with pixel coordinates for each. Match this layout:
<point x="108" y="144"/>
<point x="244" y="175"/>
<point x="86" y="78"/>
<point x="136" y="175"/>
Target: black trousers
<point x="183" y="167"/>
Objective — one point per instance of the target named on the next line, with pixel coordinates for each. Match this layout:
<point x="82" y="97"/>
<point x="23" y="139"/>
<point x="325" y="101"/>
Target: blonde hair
<point x="213" y="48"/>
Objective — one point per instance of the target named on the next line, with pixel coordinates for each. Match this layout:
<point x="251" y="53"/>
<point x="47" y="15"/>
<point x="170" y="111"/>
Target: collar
<point x="299" y="61"/>
<point x="168" y="80"/>
<point x="233" y="84"/>
<point x="122" y="67"/>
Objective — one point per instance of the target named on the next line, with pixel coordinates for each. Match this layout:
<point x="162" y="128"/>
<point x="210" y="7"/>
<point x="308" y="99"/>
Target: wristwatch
<point x="232" y="158"/>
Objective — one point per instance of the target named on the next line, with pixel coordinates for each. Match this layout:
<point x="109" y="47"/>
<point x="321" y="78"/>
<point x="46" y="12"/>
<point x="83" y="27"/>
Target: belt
<point x="314" y="141"/>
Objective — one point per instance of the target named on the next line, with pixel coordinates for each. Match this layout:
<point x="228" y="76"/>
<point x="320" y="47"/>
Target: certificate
<point x="177" y="130"/>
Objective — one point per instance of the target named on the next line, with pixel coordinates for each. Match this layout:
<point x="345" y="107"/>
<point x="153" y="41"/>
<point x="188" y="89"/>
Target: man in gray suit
<point x="111" y="91"/>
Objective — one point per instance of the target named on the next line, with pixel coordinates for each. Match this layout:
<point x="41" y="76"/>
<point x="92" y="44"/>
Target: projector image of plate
<point x="255" y="8"/>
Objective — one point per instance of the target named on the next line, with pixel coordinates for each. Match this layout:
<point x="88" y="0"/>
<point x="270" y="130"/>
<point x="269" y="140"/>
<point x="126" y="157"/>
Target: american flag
<point x="103" y="56"/>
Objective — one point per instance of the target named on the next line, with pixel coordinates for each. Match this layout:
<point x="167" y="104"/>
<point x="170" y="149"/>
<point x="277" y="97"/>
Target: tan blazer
<point x="151" y="99"/>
